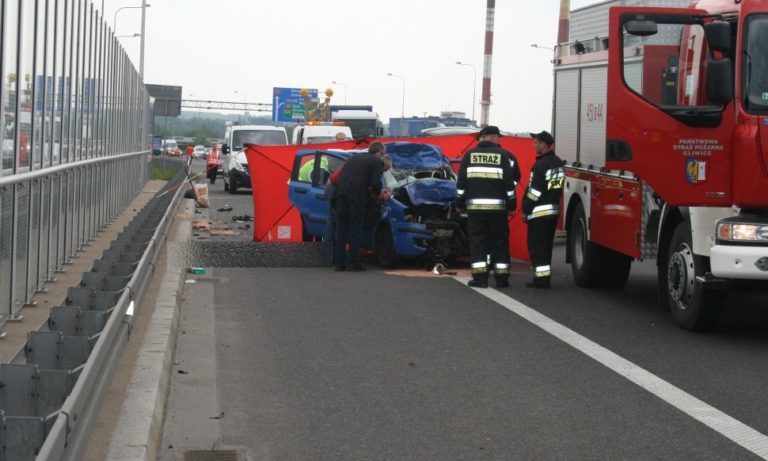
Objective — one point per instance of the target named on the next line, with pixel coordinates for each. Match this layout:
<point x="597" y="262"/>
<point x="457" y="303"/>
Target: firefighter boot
<point x="502" y="282"/>
<point x="478" y="282"/>
<point x="538" y="282"/>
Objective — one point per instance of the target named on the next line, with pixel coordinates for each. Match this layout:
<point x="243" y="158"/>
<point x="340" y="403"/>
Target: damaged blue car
<point x="419" y="220"/>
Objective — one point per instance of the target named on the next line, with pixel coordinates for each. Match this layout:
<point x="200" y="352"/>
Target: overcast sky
<point x="213" y="48"/>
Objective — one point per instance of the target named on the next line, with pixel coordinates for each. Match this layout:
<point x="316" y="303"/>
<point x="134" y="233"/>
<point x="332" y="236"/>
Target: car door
<point x="307" y="188"/>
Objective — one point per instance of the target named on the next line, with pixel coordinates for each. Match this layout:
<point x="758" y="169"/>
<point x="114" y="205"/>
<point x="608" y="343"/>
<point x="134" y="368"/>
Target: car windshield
<point x="261" y="137"/>
<point x="756" y="64"/>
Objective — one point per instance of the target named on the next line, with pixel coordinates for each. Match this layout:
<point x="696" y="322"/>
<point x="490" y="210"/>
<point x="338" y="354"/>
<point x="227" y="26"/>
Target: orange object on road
<point x="190" y="150"/>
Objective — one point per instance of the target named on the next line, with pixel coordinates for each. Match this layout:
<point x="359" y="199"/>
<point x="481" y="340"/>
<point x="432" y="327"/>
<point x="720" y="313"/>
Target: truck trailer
<point x="664" y="125"/>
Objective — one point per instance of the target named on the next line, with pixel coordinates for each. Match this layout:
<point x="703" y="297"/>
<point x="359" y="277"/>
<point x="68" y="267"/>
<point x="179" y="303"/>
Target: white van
<point x="319" y="134"/>
<point x="236" y="172"/>
<point x="170" y="146"/>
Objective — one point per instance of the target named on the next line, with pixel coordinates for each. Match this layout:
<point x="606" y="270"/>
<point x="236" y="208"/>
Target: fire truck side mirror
<point x="642" y="28"/>
<point x="718" y="35"/>
<point x="720" y="81"/>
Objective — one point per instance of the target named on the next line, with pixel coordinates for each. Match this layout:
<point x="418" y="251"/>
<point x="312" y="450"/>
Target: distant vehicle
<point x="157" y="146"/>
<point x="449" y="130"/>
<point x="420" y="220"/>
<point x="319" y="134"/>
<point x="236" y="172"/>
<point x="363" y="123"/>
<point x="199" y="151"/>
<point x="170" y="146"/>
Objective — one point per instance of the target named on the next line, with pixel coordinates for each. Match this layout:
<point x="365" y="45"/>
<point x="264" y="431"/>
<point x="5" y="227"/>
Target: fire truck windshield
<point x="755" y="70"/>
<point x="361" y="128"/>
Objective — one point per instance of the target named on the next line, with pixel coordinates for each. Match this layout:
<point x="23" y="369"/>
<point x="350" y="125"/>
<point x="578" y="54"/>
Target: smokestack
<point x="564" y="25"/>
<point x="485" y="102"/>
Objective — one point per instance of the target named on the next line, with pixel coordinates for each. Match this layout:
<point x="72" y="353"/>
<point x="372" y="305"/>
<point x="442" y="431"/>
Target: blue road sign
<point x="288" y="104"/>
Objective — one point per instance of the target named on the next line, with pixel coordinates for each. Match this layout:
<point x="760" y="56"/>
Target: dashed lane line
<point x="735" y="430"/>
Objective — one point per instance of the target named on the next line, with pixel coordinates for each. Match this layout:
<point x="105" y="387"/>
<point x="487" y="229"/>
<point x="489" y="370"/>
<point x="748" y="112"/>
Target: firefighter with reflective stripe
<point x="486" y="190"/>
<point x="541" y="207"/>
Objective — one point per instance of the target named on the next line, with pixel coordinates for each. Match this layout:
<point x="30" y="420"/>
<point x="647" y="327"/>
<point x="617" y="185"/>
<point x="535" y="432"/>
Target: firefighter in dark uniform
<point x="486" y="190"/>
<point x="541" y="206"/>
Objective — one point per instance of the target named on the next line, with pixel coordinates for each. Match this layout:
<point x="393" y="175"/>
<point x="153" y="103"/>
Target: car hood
<point x="431" y="192"/>
<point x="416" y="157"/>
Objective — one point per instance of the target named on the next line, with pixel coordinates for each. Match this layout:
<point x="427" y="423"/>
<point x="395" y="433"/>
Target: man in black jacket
<point x="541" y="206"/>
<point x="359" y="181"/>
<point x="485" y="188"/>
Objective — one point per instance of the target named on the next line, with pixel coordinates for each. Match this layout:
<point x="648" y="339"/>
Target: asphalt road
<point x="287" y="363"/>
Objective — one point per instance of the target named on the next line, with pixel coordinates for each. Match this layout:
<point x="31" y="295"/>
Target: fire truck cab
<point x="664" y="124"/>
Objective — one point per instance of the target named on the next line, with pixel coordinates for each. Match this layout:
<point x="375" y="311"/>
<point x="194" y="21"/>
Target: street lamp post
<point x="242" y="93"/>
<point x="245" y="105"/>
<point x="402" y="109"/>
<point x="144" y="6"/>
<point x="474" y="85"/>
<point x="345" y="90"/>
<point x="143" y="32"/>
<point x="114" y="21"/>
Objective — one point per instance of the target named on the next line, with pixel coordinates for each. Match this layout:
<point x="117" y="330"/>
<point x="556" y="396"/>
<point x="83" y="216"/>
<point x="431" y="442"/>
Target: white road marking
<point x="740" y="433"/>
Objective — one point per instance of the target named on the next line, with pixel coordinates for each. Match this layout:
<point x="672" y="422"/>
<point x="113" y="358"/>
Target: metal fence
<point x="75" y="114"/>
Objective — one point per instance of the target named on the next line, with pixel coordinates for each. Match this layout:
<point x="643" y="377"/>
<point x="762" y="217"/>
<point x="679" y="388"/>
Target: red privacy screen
<point x="275" y="220"/>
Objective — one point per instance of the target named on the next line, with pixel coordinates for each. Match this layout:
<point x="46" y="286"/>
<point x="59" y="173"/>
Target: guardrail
<point x="48" y="215"/>
<point x="68" y="436"/>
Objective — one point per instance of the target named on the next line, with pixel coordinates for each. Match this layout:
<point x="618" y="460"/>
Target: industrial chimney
<point x="564" y="24"/>
<point x="485" y="101"/>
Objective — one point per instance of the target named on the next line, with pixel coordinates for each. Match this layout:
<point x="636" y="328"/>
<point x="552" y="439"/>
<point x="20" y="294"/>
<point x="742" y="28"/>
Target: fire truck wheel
<point x="690" y="309"/>
<point x="385" y="248"/>
<point x="618" y="270"/>
<point x="588" y="261"/>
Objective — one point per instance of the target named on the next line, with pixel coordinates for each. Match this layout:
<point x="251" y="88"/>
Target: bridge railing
<point x="75" y="115"/>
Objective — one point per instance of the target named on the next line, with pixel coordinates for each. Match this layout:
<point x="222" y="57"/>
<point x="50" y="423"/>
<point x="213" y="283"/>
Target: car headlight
<point x="735" y="232"/>
<point x="239" y="166"/>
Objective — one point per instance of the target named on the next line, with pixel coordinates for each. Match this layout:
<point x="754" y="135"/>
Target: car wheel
<point x="232" y="188"/>
<point x="385" y="248"/>
<point x="690" y="308"/>
<point x="587" y="259"/>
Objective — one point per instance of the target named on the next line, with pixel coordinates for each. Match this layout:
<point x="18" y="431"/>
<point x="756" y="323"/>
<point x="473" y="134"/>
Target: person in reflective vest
<point x="485" y="188"/>
<point x="541" y="206"/>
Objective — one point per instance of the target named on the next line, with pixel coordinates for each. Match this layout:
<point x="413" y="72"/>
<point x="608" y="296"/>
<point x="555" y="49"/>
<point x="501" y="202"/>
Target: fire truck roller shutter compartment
<point x="593" y="116"/>
<point x="566" y="112"/>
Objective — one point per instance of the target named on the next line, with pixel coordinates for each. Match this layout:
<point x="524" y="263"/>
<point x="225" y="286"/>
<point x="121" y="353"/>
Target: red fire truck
<point x="664" y="124"/>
